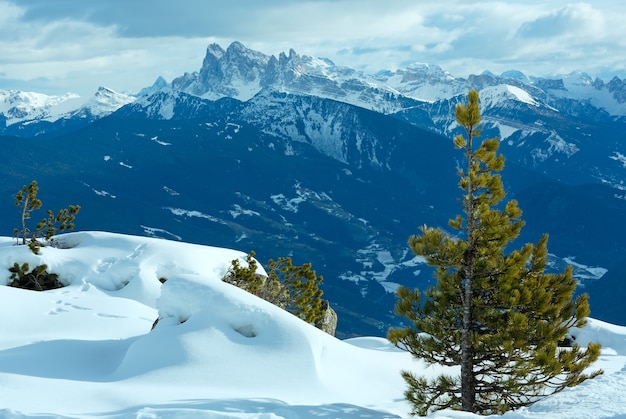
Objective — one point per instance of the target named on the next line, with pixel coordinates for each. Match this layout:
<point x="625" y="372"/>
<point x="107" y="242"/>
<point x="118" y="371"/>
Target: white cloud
<point x="65" y="45"/>
<point x="578" y="21"/>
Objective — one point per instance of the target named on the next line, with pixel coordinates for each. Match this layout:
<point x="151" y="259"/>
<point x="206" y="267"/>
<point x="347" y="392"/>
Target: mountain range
<point x="296" y="156"/>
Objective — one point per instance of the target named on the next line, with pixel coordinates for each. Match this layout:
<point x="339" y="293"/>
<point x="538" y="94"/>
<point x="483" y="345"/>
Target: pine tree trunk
<point x="24" y="231"/>
<point x="468" y="390"/>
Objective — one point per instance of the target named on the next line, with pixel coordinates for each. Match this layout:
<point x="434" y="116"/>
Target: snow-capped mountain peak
<point x="426" y="71"/>
<point x="579" y="86"/>
<point x="18" y="106"/>
<point x="104" y="102"/>
<point x="515" y="75"/>
<point x="241" y="73"/>
<point x="425" y="82"/>
<point x="494" y="95"/>
<point x="159" y="83"/>
<point x="29" y="107"/>
<point x="234" y="72"/>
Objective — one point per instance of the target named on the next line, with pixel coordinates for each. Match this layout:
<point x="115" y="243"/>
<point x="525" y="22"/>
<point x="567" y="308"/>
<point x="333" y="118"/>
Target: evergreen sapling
<point x="498" y="316"/>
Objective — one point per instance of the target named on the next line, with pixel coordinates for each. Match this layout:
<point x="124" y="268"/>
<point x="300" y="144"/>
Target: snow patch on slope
<point x="193" y="213"/>
<point x="619" y="157"/>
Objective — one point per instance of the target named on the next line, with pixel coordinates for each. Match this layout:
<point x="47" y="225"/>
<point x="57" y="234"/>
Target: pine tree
<point x="497" y="315"/>
<point x="27" y="200"/>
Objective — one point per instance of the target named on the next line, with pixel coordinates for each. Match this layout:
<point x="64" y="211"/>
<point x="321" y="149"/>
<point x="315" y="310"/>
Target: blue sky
<point x="56" y="46"/>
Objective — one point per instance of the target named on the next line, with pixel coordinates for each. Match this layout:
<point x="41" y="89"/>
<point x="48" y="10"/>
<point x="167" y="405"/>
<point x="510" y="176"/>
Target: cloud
<point x="574" y="20"/>
<point x="578" y="36"/>
<point x="157" y="18"/>
<point x="78" y="45"/>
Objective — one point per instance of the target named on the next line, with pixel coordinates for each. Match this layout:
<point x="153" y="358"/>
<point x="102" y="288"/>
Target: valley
<point x="294" y="156"/>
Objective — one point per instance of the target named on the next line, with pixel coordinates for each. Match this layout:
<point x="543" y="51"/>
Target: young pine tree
<point x="26" y="199"/>
<point x="497" y="315"/>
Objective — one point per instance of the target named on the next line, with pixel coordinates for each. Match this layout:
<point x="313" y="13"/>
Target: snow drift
<point x="89" y="350"/>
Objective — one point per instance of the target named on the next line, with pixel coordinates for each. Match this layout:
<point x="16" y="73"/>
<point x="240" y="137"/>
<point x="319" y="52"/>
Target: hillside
<point x="87" y="350"/>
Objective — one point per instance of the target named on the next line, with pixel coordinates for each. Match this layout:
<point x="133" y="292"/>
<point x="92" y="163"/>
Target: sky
<point x="59" y="46"/>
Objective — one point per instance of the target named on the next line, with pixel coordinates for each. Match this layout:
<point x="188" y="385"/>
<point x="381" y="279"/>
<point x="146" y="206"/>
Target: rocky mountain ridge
<point x="241" y="73"/>
<point x="551" y="125"/>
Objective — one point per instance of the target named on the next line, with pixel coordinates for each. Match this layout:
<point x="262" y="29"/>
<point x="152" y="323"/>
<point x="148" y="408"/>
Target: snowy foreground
<point x="87" y="350"/>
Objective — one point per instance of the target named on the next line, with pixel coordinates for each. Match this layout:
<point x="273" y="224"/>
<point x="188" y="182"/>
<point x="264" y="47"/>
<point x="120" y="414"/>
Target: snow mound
<point x="90" y="350"/>
<point x="93" y="338"/>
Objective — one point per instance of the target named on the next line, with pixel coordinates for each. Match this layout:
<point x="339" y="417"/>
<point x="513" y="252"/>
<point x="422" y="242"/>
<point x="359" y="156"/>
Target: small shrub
<point x="27" y="200"/>
<point x="303" y="288"/>
<point x="39" y="279"/>
<point x="290" y="287"/>
<point x="245" y="277"/>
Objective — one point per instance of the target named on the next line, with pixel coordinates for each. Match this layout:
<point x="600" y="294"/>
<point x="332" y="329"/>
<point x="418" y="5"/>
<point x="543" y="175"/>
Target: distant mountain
<point x="17" y="106"/>
<point x="568" y="128"/>
<point x="159" y="83"/>
<point x="241" y="73"/>
<point x="28" y="114"/>
<point x="295" y="156"/>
